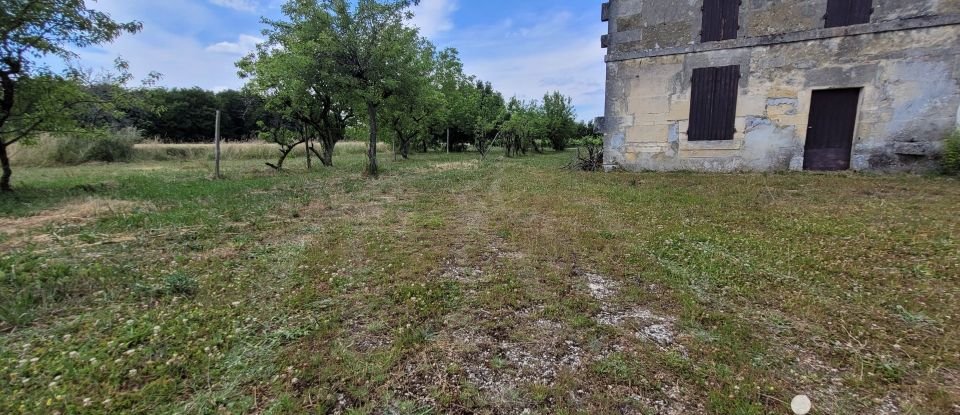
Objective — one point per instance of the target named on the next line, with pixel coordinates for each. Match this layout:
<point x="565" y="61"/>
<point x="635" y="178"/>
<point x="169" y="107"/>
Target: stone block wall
<point x="644" y="25"/>
<point x="910" y="97"/>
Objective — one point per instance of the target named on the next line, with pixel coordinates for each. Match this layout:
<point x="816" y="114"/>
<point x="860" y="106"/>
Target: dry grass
<point x="74" y="212"/>
<point x="41" y="153"/>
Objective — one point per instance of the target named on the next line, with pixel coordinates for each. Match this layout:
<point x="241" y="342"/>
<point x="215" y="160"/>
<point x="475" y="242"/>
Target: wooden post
<point x="216" y="149"/>
<point x="307" y="144"/>
<point x="448" y="140"/>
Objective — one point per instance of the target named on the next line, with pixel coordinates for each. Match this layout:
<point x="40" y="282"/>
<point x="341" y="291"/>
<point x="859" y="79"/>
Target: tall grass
<point x="116" y="146"/>
<point x="54" y="151"/>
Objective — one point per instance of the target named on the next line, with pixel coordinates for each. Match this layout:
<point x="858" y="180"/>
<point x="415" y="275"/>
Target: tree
<point x="560" y="119"/>
<point x="34" y="99"/>
<point x="490" y="115"/>
<point x="409" y="111"/>
<point x="524" y="127"/>
<point x="370" y="50"/>
<point x="289" y="70"/>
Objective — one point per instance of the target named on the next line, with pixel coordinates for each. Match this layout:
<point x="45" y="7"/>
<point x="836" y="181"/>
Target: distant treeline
<point x="189" y="115"/>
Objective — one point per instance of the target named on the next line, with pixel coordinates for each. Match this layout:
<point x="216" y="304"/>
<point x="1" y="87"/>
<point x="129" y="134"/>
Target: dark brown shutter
<point x="848" y="12"/>
<point x="713" y="103"/>
<point x="721" y="20"/>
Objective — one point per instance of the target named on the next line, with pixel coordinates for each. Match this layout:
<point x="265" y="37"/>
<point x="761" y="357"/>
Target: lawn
<point x="454" y="286"/>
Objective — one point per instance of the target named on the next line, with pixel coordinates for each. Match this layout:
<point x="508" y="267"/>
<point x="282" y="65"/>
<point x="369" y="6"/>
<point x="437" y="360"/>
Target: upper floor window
<point x="721" y="20"/>
<point x="713" y="103"/>
<point x="848" y="12"/>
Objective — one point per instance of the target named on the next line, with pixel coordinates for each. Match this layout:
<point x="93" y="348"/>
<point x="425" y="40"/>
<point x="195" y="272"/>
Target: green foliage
<point x="951" y="154"/>
<point x="113" y="147"/>
<point x="559" y="119"/>
<point x="188" y="115"/>
<point x="34" y="100"/>
<point x="179" y="283"/>
<point x="176" y="284"/>
<point x="589" y="153"/>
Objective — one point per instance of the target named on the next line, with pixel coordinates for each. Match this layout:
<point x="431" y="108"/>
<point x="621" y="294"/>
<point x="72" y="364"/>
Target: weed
<point x="951" y="154"/>
<point x="181" y="284"/>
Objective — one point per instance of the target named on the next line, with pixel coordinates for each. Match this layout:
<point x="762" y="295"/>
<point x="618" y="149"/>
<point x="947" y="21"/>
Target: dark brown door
<point x="833" y="119"/>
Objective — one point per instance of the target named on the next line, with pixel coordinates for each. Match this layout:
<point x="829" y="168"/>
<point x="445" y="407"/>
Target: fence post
<point x="216" y="149"/>
<point x="448" y="140"/>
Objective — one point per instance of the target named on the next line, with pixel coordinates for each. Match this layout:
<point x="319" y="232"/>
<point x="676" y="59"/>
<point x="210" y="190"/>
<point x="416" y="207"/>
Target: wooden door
<point x="833" y="119"/>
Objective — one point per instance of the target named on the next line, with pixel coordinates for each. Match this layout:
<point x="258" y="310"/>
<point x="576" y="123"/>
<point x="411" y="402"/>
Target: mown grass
<point x="452" y="286"/>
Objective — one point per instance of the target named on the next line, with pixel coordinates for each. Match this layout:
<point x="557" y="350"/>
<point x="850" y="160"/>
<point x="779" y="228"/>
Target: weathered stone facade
<point x="906" y="62"/>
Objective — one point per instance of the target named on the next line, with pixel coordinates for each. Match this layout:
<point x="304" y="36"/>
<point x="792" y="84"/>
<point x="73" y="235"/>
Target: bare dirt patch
<point x="645" y="323"/>
<point x="449" y="166"/>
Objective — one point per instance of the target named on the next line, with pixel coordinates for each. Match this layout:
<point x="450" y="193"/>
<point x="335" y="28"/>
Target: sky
<point x="524" y="47"/>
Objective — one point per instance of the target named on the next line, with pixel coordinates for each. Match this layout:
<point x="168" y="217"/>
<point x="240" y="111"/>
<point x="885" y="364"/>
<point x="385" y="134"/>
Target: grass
<point x="451" y="286"/>
<point x="44" y="152"/>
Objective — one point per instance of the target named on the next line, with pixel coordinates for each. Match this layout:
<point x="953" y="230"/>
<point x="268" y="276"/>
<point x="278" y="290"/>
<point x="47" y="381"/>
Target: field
<point x="455" y="286"/>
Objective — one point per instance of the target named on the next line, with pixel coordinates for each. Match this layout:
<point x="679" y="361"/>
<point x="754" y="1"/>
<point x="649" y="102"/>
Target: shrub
<point x="589" y="154"/>
<point x="114" y="147"/>
<point x="951" y="154"/>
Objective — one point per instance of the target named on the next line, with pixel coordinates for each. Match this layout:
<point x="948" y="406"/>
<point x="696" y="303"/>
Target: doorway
<point x="833" y="120"/>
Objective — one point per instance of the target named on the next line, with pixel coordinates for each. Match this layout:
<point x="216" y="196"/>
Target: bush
<point x="114" y="147"/>
<point x="951" y="154"/>
<point x="589" y="154"/>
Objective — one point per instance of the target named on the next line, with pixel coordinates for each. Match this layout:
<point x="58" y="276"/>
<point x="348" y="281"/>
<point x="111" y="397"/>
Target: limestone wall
<point x="636" y="25"/>
<point x="910" y="100"/>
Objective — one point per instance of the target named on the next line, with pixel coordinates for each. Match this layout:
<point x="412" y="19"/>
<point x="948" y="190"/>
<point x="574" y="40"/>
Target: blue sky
<point x="524" y="47"/>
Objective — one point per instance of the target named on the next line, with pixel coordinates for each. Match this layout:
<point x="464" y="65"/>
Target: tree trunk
<point x="6" y="108"/>
<point x="372" y="150"/>
<point x="7" y="171"/>
<point x="327" y="157"/>
<point x="309" y="160"/>
<point x="405" y="148"/>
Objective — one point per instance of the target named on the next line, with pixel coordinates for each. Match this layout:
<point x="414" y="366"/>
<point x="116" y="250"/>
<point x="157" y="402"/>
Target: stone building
<point x="731" y="85"/>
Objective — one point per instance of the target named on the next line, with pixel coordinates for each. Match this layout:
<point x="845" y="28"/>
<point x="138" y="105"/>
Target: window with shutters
<point x="713" y="104"/>
<point x="848" y="12"/>
<point x="721" y="20"/>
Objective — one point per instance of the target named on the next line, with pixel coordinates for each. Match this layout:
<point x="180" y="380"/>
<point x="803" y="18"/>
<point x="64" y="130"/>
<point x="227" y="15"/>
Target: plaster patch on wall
<point x="789" y="105"/>
<point x="756" y="122"/>
<point x="920" y="87"/>
<point x="617" y="141"/>
<point x="673" y="135"/>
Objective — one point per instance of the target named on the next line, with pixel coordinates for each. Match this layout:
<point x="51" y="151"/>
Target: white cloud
<point x="240" y="5"/>
<point x="434" y="16"/>
<point x="244" y="45"/>
<point x="529" y="56"/>
<point x="576" y="70"/>
<point x="182" y="60"/>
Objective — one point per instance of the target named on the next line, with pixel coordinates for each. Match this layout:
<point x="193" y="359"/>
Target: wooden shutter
<point x="713" y="103"/>
<point x="848" y="12"/>
<point x="721" y="20"/>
